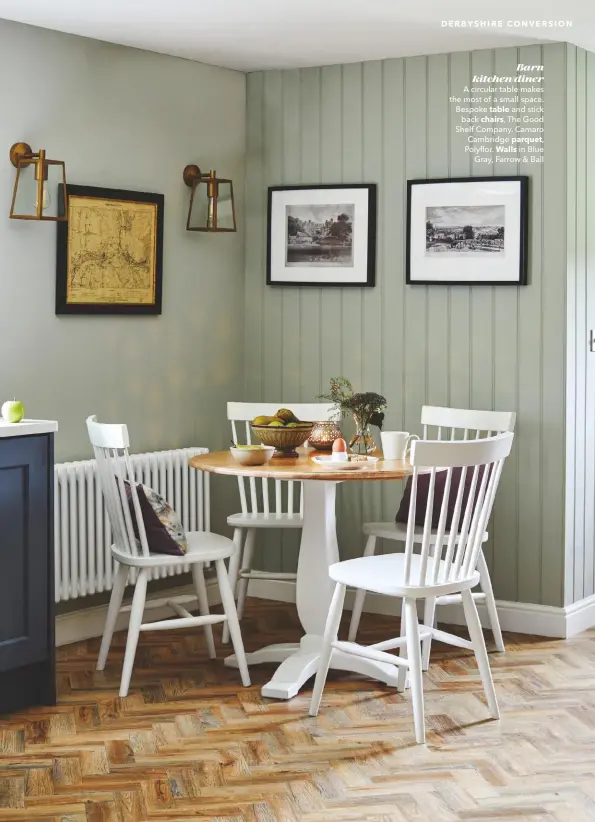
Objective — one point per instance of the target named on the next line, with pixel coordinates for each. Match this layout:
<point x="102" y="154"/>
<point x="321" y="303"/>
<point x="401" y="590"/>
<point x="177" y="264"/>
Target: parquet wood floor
<point x="190" y="743"/>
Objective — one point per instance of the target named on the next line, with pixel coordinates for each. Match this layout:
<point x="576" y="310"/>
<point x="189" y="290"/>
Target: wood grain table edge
<point x="302" y="468"/>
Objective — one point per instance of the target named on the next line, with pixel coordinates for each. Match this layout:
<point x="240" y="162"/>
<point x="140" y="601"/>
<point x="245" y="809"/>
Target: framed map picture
<point x="110" y="252"/>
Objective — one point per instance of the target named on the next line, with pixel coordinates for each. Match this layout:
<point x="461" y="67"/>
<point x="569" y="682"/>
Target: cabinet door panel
<point x="24" y="548"/>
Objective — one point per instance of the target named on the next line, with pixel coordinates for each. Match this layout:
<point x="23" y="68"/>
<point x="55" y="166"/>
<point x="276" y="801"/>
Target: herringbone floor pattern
<point x="189" y="742"/>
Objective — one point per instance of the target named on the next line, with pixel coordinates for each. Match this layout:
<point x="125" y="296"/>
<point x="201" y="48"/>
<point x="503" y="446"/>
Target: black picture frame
<point x="370" y="252"/>
<point x="62" y="304"/>
<point x="523" y="194"/>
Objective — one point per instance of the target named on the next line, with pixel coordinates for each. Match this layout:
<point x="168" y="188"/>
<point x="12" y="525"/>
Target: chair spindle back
<point x="464" y="423"/>
<point x="285" y="500"/>
<point x="451" y="555"/>
<point x="110" y="444"/>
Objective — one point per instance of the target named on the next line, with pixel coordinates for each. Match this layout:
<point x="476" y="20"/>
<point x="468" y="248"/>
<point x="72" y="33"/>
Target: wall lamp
<point x="40" y="186"/>
<point x="212" y="206"/>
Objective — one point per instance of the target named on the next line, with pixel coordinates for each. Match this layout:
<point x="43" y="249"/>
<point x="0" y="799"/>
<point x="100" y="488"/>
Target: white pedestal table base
<point x="299" y="662"/>
<point x="314" y="589"/>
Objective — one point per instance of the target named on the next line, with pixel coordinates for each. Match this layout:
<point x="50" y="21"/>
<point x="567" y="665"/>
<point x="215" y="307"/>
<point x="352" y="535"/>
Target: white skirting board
<point x="516" y="617"/>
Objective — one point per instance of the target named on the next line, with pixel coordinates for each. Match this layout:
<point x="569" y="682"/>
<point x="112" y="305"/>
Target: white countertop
<point x="27" y="427"/>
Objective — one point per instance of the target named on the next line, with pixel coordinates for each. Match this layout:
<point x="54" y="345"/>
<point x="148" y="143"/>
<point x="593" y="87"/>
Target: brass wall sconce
<point x="40" y="186"/>
<point x="212" y="206"/>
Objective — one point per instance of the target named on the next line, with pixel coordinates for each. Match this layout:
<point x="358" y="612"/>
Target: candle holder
<point x="324" y="434"/>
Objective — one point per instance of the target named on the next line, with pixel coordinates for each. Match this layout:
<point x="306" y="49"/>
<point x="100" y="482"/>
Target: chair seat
<point x="385" y="574"/>
<point x="203" y="546"/>
<point x="266" y="520"/>
<point x="398" y="531"/>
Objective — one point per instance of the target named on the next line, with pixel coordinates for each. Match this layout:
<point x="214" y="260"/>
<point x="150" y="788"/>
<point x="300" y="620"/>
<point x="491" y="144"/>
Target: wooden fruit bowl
<point x="285" y="440"/>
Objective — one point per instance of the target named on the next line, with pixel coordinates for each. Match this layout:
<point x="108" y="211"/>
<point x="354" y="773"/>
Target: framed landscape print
<point x="322" y="235"/>
<point x="467" y="231"/>
<point x="110" y="252"/>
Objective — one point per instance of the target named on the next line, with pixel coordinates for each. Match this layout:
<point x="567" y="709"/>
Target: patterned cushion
<point x="165" y="532"/>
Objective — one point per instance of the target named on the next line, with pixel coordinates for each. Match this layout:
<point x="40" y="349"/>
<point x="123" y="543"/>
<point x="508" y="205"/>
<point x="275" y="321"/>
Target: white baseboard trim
<point x="515" y="617"/>
<point x="580" y="616"/>
<point x="86" y="623"/>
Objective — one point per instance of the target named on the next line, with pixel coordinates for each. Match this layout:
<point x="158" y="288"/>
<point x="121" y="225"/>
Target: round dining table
<point x="318" y="551"/>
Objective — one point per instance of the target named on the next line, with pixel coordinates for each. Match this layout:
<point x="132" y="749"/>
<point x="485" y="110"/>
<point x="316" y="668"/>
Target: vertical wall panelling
<point x="310" y="297"/>
<point x="256" y="247"/>
<point x="372" y="298"/>
<point x="482" y="300"/>
<point x="331" y="169"/>
<point x="553" y="331"/>
<point x="416" y="297"/>
<point x="460" y="165"/>
<point x="587" y="237"/>
<point x="586" y="410"/>
<point x="580" y="319"/>
<point x="290" y="297"/>
<point x="353" y="354"/>
<point x="438" y="340"/>
<point x="272" y="542"/>
<point x="462" y="346"/>
<point x="574" y="292"/>
<point x="391" y="244"/>
<point x="505" y="346"/>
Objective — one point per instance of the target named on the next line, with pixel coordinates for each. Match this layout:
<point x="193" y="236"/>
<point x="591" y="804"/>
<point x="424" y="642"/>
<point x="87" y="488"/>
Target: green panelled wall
<point x="580" y="370"/>
<point x="475" y="347"/>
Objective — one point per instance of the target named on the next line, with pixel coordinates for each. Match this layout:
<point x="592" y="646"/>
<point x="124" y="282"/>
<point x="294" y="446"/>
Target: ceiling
<point x="261" y="34"/>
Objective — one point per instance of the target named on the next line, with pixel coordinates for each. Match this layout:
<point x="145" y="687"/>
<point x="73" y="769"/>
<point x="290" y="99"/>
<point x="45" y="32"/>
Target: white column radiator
<point x="83" y="563"/>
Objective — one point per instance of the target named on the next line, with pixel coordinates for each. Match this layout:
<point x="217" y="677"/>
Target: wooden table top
<point x="302" y="468"/>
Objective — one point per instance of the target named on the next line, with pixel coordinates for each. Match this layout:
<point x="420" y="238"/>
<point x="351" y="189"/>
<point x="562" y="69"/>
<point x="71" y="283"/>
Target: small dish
<point x="253" y="456"/>
<point x="335" y="465"/>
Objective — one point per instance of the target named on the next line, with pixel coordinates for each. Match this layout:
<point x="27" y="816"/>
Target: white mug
<point x="396" y="444"/>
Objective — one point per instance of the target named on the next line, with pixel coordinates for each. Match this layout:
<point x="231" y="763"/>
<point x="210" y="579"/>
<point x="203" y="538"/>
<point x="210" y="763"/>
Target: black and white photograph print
<point x="319" y="235"/>
<point x="322" y="235"/>
<point x="467" y="231"/>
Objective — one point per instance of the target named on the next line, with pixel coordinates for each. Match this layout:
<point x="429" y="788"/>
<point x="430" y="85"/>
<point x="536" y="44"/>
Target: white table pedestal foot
<point x="300" y="662"/>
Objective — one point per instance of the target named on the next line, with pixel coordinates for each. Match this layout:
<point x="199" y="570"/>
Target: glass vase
<point x="362" y="441"/>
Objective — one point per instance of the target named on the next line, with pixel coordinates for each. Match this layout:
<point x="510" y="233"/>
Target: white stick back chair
<point x="264" y="503"/>
<point x="116" y="476"/>
<point x="444" y="565"/>
<point x="444" y="424"/>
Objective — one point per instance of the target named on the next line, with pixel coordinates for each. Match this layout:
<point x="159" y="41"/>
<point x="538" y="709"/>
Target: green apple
<point x="13" y="411"/>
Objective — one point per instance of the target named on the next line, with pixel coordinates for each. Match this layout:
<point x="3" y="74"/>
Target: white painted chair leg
<point x="429" y="617"/>
<point x="486" y="586"/>
<point x="403" y="674"/>
<point x="203" y="605"/>
<point x="415" y="670"/>
<point x="229" y="608"/>
<point x="360" y="594"/>
<point x="136" y="618"/>
<point x="331" y="633"/>
<point x="480" y="651"/>
<point x="246" y="566"/>
<point x="115" y="604"/>
<point x="234" y="570"/>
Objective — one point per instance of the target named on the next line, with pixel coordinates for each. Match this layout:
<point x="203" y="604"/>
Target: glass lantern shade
<point x="39" y="189"/>
<point x="212" y="206"/>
